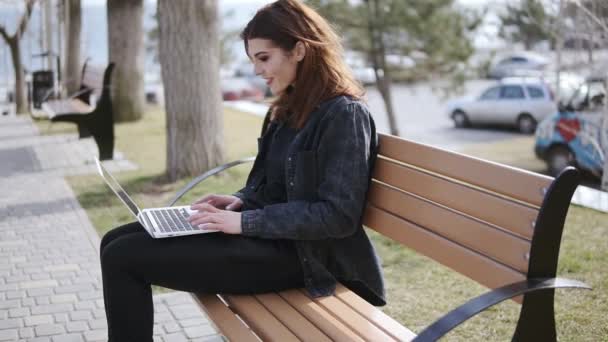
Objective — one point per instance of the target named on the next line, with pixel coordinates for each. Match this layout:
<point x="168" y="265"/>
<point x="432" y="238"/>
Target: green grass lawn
<point x="419" y="290"/>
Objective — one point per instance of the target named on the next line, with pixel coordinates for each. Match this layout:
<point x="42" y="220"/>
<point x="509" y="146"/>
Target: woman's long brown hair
<point x="321" y="75"/>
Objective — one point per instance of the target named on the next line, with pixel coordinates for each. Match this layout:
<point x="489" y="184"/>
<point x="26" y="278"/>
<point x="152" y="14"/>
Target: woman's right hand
<point x="224" y="202"/>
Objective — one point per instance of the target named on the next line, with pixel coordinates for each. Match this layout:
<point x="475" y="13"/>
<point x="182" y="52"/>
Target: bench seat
<point x="74" y="105"/>
<point x="293" y="316"/>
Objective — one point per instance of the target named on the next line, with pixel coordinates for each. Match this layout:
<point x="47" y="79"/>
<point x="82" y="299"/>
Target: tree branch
<point x="597" y="20"/>
<point x="29" y="5"/>
<point x="4" y="34"/>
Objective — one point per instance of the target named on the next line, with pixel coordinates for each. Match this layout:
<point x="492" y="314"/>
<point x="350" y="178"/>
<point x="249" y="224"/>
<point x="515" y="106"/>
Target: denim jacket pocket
<point x="306" y="175"/>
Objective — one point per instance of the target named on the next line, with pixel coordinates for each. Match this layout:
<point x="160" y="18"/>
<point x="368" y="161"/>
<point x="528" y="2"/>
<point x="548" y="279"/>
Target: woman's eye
<point x="264" y="59"/>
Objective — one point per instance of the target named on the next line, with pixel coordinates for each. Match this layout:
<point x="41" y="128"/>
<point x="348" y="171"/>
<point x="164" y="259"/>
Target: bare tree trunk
<point x="13" y="44"/>
<point x="189" y="58"/>
<point x="383" y="79"/>
<point x="72" y="64"/>
<point x="126" y="49"/>
<point x="20" y="92"/>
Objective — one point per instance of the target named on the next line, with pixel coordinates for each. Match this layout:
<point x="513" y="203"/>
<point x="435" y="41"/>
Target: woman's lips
<point x="268" y="81"/>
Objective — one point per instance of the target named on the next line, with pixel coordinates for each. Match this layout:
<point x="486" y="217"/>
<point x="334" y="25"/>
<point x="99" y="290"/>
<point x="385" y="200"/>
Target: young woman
<point x="297" y="222"/>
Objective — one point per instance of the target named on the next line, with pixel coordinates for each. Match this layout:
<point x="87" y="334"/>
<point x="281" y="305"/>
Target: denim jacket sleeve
<point x="343" y="158"/>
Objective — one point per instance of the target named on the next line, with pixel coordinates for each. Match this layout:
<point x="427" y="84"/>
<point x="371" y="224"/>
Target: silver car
<point x="517" y="64"/>
<point x="519" y="102"/>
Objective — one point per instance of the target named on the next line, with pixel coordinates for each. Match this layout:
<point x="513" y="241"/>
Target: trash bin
<point x="42" y="86"/>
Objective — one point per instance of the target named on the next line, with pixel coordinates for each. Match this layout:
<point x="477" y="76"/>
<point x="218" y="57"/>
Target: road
<point x="421" y="116"/>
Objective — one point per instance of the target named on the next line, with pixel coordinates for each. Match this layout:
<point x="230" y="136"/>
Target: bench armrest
<point x="206" y="175"/>
<point x="476" y="305"/>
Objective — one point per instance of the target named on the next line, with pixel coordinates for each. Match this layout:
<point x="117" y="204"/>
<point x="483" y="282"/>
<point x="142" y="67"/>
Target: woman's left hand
<point x="210" y="217"/>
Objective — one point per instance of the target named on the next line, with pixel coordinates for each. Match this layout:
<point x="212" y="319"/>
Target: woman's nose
<point x="257" y="70"/>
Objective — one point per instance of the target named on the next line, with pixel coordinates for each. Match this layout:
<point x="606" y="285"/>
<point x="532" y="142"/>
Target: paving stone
<point x="9" y="335"/>
<point x="176" y="337"/>
<point x="18" y="312"/>
<point x="199" y="331"/>
<point x="48" y="329"/>
<point x="98" y="324"/>
<point x="38" y="284"/>
<point x="10" y="323"/>
<point x="26" y="333"/>
<point x="96" y="335"/>
<point x="9" y="304"/>
<point x="68" y="338"/>
<point x="66" y="298"/>
<point x="77" y="326"/>
<point x="51" y="308"/>
<point x="82" y="315"/>
<point x="61" y="317"/>
<point x="45" y="291"/>
<point x="184" y="311"/>
<point x="172" y="327"/>
<point x="38" y="320"/>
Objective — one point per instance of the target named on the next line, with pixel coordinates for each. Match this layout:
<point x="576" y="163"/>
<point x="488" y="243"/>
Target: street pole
<point x="604" y="138"/>
<point x="48" y="34"/>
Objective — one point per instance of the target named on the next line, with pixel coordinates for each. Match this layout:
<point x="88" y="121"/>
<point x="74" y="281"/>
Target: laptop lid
<point x="118" y="190"/>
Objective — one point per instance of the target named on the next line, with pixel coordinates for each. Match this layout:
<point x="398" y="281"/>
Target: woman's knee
<point x="117" y="232"/>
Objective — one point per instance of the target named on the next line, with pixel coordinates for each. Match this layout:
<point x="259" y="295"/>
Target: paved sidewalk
<point x="50" y="282"/>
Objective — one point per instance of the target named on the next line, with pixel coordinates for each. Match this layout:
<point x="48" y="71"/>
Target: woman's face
<point x="277" y="66"/>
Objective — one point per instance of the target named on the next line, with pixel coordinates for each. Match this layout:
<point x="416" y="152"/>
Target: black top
<point x="272" y="189"/>
<point x="326" y="173"/>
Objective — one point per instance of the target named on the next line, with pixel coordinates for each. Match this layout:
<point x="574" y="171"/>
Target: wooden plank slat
<point x="471" y="264"/>
<point x="373" y="314"/>
<point x="520" y="184"/>
<point x="318" y="316"/>
<point x="54" y="107"/>
<point x="268" y="327"/>
<point x="351" y="318"/>
<point x="487" y="240"/>
<point x="506" y="214"/>
<point x="291" y="318"/>
<point x="224" y="319"/>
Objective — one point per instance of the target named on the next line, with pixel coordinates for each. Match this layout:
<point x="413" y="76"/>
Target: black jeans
<point x="132" y="261"/>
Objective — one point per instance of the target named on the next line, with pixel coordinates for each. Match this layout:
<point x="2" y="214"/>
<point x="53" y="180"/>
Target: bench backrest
<point x="472" y="215"/>
<point x="92" y="83"/>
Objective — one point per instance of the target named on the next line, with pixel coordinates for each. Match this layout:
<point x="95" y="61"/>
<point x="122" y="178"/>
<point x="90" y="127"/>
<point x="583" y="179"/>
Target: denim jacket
<point x="328" y="169"/>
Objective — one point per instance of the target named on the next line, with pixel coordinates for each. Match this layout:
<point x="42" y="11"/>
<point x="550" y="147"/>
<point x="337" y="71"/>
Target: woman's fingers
<point x="225" y="221"/>
<point x="205" y="198"/>
<point x="205" y="207"/>
<point x="235" y="205"/>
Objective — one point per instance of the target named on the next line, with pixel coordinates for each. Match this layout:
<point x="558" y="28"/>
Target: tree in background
<point x="73" y="27"/>
<point x="526" y="22"/>
<point x="189" y="58"/>
<point x="435" y="31"/>
<point x="126" y="50"/>
<point x="226" y="39"/>
<point x="13" y="42"/>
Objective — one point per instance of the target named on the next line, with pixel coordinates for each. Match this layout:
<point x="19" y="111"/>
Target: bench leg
<point x="105" y="144"/>
<point x="537" y="318"/>
<point x="83" y="131"/>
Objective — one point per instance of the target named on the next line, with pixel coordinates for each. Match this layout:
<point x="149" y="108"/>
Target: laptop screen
<point x="118" y="190"/>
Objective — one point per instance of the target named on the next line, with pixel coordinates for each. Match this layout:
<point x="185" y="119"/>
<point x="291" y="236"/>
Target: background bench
<point x="495" y="224"/>
<point x="90" y="108"/>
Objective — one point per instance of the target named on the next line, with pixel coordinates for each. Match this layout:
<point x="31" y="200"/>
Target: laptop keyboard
<point x="172" y="220"/>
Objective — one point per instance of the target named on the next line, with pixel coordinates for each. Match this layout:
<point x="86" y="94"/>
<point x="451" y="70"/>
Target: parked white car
<point x="519" y="102"/>
<point x="517" y="64"/>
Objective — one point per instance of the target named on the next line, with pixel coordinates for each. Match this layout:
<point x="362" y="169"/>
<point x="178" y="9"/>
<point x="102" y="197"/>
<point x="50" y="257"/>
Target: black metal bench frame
<point x="98" y="123"/>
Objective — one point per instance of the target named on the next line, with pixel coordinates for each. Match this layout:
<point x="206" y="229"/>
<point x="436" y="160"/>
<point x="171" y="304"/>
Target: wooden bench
<point x="495" y="224"/>
<point x="90" y="108"/>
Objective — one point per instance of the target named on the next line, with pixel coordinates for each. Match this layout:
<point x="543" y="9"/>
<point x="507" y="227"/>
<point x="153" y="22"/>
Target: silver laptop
<point x="158" y="222"/>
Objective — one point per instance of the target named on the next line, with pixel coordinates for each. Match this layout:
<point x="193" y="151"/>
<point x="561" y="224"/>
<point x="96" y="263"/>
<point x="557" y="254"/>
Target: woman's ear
<point x="299" y="51"/>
